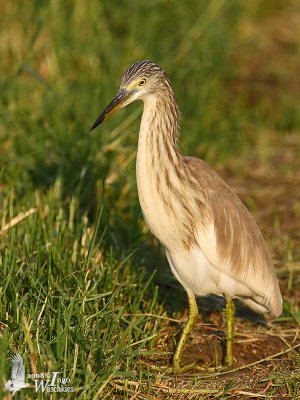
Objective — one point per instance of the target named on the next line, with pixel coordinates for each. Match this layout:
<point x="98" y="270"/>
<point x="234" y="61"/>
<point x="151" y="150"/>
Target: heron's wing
<point x="17" y="368"/>
<point x="232" y="241"/>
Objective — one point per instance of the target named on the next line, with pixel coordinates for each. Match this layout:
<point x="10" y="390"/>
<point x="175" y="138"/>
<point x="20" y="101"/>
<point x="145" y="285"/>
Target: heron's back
<point x="233" y="244"/>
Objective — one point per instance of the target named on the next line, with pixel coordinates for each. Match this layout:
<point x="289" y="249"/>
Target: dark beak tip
<point x="91" y="129"/>
<point x="113" y="105"/>
<point x="98" y="122"/>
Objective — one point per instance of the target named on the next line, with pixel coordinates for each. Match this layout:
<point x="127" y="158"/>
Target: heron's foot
<point x="193" y="312"/>
<point x="176" y="369"/>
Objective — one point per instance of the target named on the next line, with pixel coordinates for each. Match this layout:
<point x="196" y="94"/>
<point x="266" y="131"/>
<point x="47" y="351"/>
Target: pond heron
<point x="212" y="242"/>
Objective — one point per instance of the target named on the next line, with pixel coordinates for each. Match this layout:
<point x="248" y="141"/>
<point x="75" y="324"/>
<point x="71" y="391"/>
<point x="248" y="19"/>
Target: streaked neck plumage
<point x="160" y="122"/>
<point x="159" y="163"/>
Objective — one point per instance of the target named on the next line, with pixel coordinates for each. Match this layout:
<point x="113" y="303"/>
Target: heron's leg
<point x="193" y="312"/>
<point x="229" y="316"/>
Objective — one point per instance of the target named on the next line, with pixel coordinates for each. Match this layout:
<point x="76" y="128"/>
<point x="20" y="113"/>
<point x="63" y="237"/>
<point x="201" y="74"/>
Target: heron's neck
<point x="161" y="170"/>
<point x="160" y="166"/>
<point x="159" y="132"/>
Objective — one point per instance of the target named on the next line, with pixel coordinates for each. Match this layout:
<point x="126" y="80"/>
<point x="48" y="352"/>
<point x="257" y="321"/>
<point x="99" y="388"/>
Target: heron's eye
<point x="142" y="82"/>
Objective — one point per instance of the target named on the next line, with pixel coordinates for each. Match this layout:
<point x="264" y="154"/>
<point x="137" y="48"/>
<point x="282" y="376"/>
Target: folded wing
<point x="233" y="243"/>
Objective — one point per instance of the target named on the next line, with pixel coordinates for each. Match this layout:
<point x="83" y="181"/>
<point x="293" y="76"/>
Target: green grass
<point x="61" y="296"/>
<point x="78" y="277"/>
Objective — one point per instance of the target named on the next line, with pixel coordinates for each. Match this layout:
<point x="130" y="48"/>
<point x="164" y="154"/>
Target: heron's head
<point x="143" y="78"/>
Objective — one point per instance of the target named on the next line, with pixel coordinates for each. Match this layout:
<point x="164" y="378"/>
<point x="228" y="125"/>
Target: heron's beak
<point x="116" y="103"/>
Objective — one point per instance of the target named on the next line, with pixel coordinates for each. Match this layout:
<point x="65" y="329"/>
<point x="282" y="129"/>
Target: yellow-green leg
<point x="229" y="316"/>
<point x="193" y="312"/>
